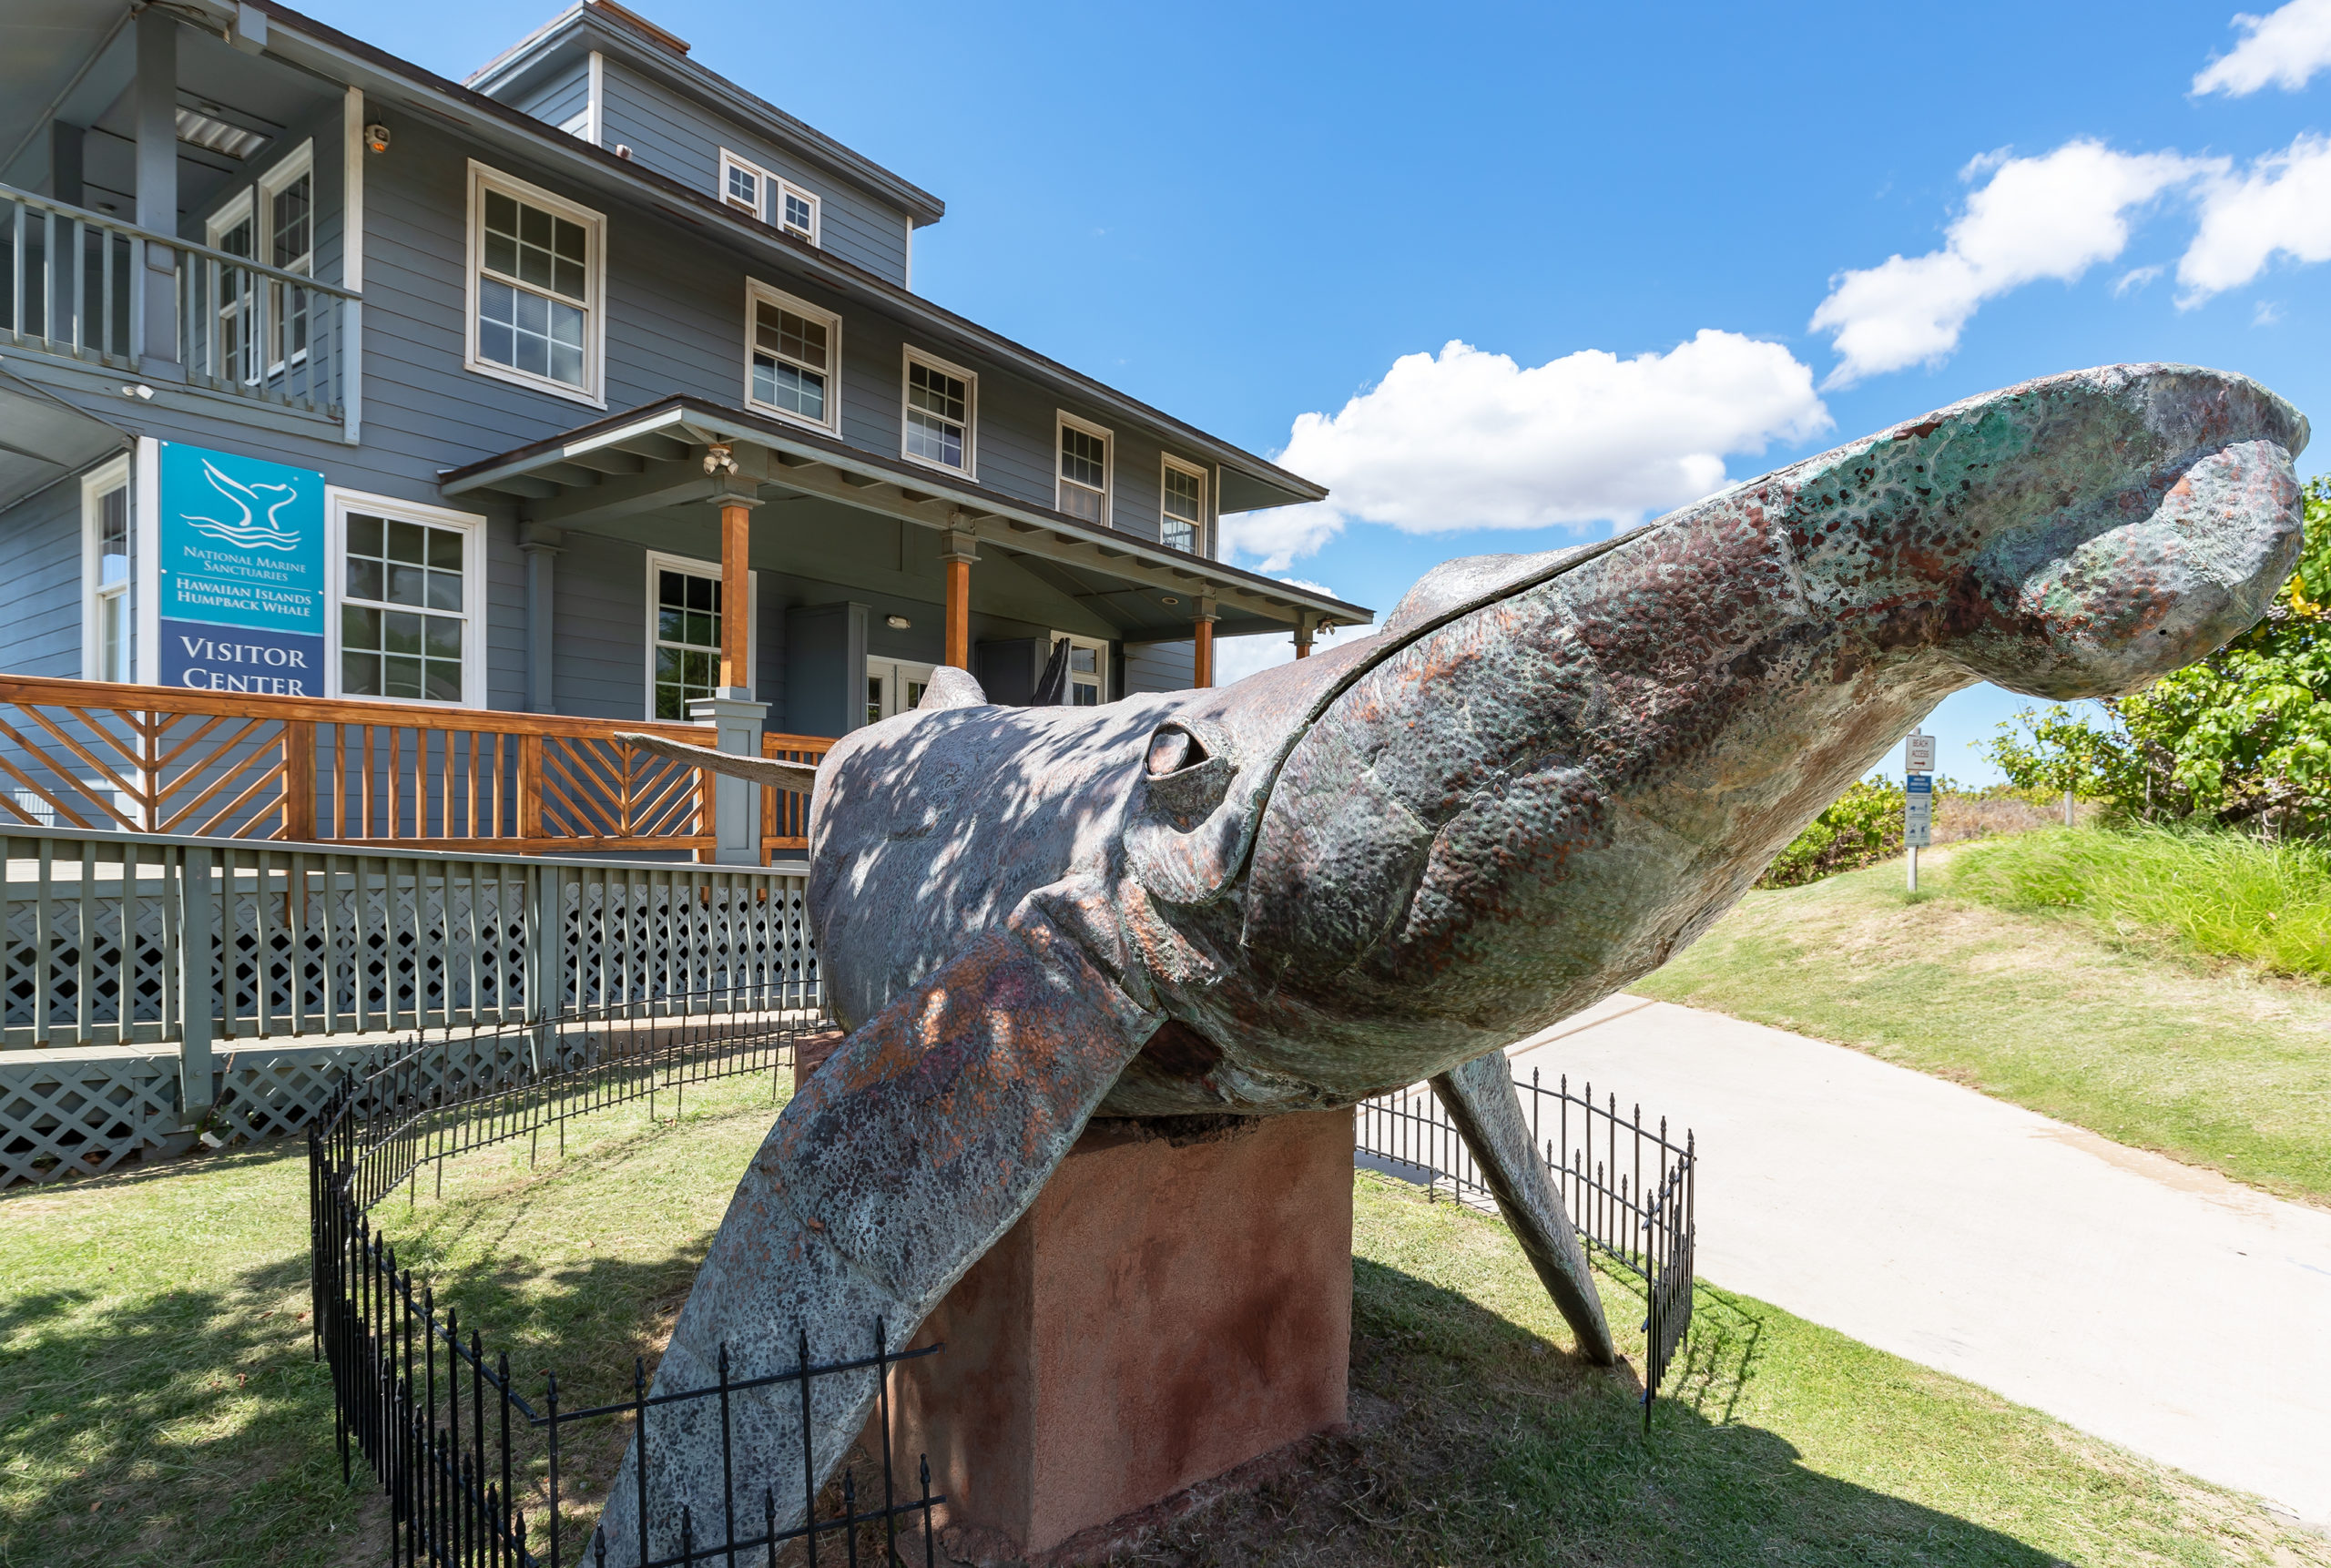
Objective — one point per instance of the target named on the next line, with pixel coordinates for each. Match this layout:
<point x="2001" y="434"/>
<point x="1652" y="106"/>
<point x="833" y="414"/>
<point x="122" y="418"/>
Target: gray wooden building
<point x="611" y="379"/>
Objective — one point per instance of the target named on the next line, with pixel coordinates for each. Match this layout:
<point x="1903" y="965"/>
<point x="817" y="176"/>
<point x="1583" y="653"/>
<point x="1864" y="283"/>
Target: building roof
<point x="645" y="459"/>
<point x="611" y="28"/>
<point x="1248" y="481"/>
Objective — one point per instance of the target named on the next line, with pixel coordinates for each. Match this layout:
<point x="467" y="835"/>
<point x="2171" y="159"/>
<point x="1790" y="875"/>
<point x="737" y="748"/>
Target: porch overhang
<point x="44" y="439"/>
<point x="616" y="469"/>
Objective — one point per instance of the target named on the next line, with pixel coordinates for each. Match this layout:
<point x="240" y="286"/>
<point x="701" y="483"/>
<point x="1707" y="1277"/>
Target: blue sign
<point x="1918" y="783"/>
<point x="241" y="562"/>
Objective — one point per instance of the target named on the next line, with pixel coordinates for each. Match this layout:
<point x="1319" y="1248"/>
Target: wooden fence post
<point x="530" y="787"/>
<point x="299" y="780"/>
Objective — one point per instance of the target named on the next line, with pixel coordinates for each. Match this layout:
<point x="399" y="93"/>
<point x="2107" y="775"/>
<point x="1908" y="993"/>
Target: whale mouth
<point x="2102" y="605"/>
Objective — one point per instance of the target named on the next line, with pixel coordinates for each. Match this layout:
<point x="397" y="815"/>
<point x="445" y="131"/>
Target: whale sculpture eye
<point x="1173" y="749"/>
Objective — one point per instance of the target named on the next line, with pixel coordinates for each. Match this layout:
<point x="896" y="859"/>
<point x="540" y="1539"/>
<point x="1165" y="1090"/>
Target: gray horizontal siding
<point x="1160" y="666"/>
<point x="558" y="97"/>
<point x="40" y="540"/>
<point x="678" y="137"/>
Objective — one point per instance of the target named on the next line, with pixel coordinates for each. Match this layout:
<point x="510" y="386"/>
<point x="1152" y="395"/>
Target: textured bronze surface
<point x="1543" y="776"/>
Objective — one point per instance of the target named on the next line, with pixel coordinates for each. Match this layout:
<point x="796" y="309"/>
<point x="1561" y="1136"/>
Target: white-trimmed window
<point x="683" y="624"/>
<point x="795" y="210"/>
<point x="741" y="183"/>
<point x="780" y="203"/>
<point x="1088" y="670"/>
<point x="107" y="627"/>
<point x="941" y="414"/>
<point x="274" y="222"/>
<point x="537" y="275"/>
<point x="1181" y="507"/>
<point x="1084" y="469"/>
<point x="792" y="349"/>
<point x="406" y="621"/>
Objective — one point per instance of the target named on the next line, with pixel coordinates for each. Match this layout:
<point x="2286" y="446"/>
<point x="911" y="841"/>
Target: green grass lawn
<point x="2045" y="1007"/>
<point x="158" y="1404"/>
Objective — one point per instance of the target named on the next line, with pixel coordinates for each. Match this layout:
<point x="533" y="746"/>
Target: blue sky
<point x="1247" y="214"/>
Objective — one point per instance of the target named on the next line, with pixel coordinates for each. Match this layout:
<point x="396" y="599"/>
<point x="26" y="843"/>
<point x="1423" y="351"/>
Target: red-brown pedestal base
<point x="1161" y="1315"/>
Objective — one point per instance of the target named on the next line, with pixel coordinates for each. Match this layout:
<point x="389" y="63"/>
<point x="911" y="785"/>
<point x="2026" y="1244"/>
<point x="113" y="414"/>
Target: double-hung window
<point x="683" y="626"/>
<point x="1181" y="521"/>
<point x="106" y="624"/>
<point x="408" y="618"/>
<point x="261" y="325"/>
<point x="536" y="281"/>
<point x="793" y="348"/>
<point x="777" y="202"/>
<point x="942" y="410"/>
<point x="1088" y="670"/>
<point x="1084" y="491"/>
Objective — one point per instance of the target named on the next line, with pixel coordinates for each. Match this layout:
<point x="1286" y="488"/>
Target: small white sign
<point x="1918" y="753"/>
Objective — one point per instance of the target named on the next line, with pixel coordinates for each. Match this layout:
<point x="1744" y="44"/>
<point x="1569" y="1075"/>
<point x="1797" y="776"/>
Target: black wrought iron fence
<point x="439" y="1417"/>
<point x="1629" y="1188"/>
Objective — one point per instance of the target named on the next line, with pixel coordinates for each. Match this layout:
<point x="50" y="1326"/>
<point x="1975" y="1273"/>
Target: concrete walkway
<point x="2164" y="1307"/>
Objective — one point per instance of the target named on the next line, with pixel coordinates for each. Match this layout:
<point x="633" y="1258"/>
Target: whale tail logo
<point x="251" y="531"/>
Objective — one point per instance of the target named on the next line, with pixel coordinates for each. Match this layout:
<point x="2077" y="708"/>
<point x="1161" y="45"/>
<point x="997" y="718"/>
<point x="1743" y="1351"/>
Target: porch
<point x="101" y="757"/>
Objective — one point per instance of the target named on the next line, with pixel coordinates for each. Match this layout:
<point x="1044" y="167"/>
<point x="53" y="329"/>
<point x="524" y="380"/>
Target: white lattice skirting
<point x="80" y="1111"/>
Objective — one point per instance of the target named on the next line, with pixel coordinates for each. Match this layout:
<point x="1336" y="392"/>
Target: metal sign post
<point x="1917" y="797"/>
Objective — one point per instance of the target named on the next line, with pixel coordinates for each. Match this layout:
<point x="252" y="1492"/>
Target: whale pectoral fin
<point x="767" y="772"/>
<point x="1481" y="1101"/>
<point x="908" y="1154"/>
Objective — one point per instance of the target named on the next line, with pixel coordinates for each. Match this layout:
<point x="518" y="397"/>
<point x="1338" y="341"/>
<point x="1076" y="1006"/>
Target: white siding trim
<point x="145" y="527"/>
<point x="595" y="106"/>
<point x="96" y="484"/>
<point x="351" y="197"/>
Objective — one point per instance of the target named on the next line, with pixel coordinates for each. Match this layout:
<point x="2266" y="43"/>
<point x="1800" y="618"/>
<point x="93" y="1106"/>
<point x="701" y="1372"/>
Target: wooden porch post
<point x="1202" y="631"/>
<point x="736" y="591"/>
<point x="1304" y="628"/>
<point x="960" y="550"/>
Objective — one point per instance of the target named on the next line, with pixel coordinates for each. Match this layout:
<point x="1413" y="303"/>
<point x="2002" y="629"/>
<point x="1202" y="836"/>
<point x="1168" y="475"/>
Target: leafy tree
<point x="2241" y="736"/>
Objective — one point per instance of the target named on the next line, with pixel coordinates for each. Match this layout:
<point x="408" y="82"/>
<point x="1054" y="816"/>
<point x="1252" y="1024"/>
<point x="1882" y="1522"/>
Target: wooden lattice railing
<point x="109" y="758"/>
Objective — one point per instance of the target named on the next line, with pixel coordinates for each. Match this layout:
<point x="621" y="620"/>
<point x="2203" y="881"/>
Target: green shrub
<point x="1861" y="827"/>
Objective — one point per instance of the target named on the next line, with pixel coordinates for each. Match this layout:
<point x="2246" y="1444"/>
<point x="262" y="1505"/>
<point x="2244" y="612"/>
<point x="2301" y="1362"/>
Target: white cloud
<point x="1471" y="440"/>
<point x="2281" y="203"/>
<point x="2055" y="216"/>
<point x="2282" y="50"/>
<point x="1234" y="658"/>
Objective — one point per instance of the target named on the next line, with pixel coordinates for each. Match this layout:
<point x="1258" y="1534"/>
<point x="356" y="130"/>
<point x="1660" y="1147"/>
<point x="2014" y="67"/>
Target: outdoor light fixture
<point x="897" y="622"/>
<point x="719" y="459"/>
<point x="138" y="389"/>
<point x="1167" y="599"/>
<point x="376" y="137"/>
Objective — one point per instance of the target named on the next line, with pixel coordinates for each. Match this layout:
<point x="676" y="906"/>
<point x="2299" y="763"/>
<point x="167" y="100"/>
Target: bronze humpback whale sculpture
<point x="1544" y="775"/>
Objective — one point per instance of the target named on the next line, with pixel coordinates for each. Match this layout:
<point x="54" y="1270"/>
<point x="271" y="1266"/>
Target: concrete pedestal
<point x="1170" y="1309"/>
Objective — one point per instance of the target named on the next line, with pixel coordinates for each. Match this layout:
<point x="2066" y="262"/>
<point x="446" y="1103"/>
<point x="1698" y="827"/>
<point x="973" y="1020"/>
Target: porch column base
<point x="1161" y="1315"/>
<point x="736" y="805"/>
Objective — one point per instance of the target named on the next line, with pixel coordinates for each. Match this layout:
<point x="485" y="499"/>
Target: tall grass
<point x="2213" y="893"/>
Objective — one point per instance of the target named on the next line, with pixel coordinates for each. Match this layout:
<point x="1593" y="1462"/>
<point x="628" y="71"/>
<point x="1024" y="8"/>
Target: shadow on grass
<point x="186" y="1426"/>
<point x="1475" y="1441"/>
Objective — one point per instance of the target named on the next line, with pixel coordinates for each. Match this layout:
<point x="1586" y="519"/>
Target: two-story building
<point x="595" y="386"/>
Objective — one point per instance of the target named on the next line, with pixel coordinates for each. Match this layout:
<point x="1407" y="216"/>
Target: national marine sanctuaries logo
<point x="249" y="532"/>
